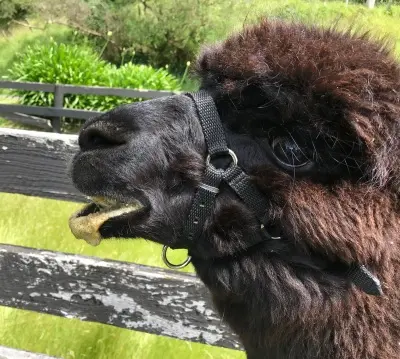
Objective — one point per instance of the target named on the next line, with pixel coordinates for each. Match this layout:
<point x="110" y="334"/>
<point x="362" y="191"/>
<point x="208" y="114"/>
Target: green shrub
<point x="135" y="77"/>
<point x="14" y="10"/>
<point x="57" y="63"/>
<point x="142" y="77"/>
<point x="160" y="33"/>
<point x="170" y="32"/>
<point x="79" y="65"/>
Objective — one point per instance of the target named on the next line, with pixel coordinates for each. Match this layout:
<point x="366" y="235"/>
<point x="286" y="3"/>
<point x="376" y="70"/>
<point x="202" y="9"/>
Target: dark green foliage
<point x="14" y="10"/>
<point x="57" y="63"/>
<point x="170" y="32"/>
<point x="79" y="65"/>
<point x="159" y="33"/>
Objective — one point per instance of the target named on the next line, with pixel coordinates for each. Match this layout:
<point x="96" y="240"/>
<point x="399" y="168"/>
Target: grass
<point x="4" y="99"/>
<point x="21" y="37"/>
<point x="42" y="223"/>
<point x="381" y="22"/>
<point x="10" y="45"/>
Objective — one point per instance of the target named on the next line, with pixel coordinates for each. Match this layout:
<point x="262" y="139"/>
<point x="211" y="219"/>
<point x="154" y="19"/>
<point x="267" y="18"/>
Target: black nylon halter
<point x="234" y="176"/>
<point x="240" y="182"/>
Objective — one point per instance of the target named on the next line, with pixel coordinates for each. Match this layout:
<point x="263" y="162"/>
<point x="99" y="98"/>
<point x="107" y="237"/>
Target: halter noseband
<point x="207" y="191"/>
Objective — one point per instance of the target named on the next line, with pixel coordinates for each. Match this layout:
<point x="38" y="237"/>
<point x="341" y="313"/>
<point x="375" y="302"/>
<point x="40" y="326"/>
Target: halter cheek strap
<point x="207" y="191"/>
<point x="233" y="176"/>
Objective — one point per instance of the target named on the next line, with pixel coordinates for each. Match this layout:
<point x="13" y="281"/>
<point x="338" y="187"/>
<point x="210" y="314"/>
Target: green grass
<point x="17" y="41"/>
<point x="42" y="223"/>
<point x="4" y="99"/>
<point x="21" y="37"/>
<point x="381" y="22"/>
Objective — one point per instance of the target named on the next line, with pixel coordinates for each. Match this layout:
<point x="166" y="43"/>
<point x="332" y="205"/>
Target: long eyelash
<point x="295" y="142"/>
<point x="315" y="154"/>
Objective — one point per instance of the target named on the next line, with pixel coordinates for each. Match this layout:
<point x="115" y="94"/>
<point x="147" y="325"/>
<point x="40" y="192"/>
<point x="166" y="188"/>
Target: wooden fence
<point x="30" y="115"/>
<point x="125" y="295"/>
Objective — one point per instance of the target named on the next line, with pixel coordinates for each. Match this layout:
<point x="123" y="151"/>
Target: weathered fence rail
<point x="9" y="353"/>
<point x="36" y="163"/>
<point x="13" y="112"/>
<point x="126" y="295"/>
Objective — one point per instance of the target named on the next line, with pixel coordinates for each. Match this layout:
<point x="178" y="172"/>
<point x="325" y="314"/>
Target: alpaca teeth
<point x="87" y="227"/>
<point x="105" y="202"/>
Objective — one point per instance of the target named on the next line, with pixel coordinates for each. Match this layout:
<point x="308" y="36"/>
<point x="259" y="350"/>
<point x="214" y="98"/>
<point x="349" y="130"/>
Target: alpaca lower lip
<point x="85" y="224"/>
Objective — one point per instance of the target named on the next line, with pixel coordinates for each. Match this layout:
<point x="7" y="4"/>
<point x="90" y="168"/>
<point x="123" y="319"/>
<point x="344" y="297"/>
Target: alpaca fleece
<point x="335" y="85"/>
<point x="313" y="116"/>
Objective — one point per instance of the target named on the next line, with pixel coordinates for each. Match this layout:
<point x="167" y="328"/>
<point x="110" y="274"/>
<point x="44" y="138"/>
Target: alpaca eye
<point x="288" y="152"/>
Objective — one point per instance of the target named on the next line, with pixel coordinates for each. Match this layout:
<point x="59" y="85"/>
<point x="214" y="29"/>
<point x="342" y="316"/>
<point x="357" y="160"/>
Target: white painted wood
<point x="125" y="295"/>
<point x="9" y="353"/>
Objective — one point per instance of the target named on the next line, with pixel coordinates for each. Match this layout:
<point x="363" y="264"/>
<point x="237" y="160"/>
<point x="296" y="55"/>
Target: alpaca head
<point x="314" y="118"/>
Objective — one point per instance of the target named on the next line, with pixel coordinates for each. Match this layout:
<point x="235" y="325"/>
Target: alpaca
<point x="313" y="116"/>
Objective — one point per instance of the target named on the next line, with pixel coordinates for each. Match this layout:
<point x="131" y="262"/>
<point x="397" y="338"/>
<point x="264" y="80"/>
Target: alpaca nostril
<point x="94" y="138"/>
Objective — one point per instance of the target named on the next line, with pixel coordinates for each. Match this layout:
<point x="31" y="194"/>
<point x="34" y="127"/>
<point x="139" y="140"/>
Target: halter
<point x="207" y="191"/>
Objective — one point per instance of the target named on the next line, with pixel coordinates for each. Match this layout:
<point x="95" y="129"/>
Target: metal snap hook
<point x="171" y="265"/>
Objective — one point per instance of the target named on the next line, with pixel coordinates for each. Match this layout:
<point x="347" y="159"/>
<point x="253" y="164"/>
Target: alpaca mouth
<point x="86" y="223"/>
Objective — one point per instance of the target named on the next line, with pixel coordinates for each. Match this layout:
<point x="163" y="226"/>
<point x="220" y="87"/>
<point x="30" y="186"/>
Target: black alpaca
<point x="314" y="118"/>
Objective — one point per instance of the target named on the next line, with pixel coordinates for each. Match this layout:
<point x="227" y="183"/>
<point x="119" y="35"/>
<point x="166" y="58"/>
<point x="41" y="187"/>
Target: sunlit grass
<point x="21" y="37"/>
<point x="382" y="21"/>
<point x="5" y="99"/>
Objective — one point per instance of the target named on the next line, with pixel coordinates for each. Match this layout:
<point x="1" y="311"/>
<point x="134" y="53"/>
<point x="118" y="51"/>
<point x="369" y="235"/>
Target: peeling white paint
<point x="170" y="309"/>
<point x="44" y="270"/>
<point x="209" y="313"/>
<point x="69" y="262"/>
<point x="4" y="148"/>
<point x="150" y="287"/>
<point x="174" y="328"/>
<point x="9" y="353"/>
<point x="171" y="299"/>
<point x="72" y="315"/>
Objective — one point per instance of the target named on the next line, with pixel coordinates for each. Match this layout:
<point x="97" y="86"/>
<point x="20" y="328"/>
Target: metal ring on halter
<point x="278" y="237"/>
<point x="171" y="265"/>
<point x="230" y="152"/>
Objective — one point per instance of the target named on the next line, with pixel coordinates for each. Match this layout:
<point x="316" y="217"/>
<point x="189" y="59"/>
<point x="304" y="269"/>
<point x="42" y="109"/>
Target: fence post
<point x="58" y="103"/>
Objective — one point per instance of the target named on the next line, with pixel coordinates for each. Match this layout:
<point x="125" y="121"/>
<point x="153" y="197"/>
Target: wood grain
<point x="49" y="111"/>
<point x="36" y="163"/>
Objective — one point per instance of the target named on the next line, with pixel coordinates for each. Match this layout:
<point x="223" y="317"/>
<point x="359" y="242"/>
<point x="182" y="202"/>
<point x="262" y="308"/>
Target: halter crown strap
<point x="204" y="199"/>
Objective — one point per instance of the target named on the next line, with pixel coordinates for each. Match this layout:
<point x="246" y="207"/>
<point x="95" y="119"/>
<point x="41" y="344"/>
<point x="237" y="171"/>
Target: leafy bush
<point x="14" y="10"/>
<point x="78" y="65"/>
<point x="57" y="63"/>
<point x="170" y="32"/>
<point x="160" y="33"/>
